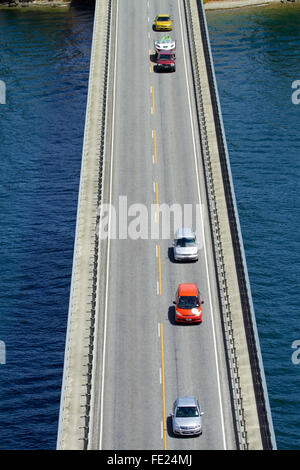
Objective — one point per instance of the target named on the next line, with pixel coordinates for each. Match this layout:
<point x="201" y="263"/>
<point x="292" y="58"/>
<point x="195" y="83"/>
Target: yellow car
<point x="163" y="23"/>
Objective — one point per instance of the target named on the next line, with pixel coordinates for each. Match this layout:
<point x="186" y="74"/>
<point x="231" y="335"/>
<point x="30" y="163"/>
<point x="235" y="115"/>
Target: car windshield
<point x="166" y="39"/>
<point x="182" y="242"/>
<point x="163" y="18"/>
<point x="187" y="301"/>
<point x="187" y="412"/>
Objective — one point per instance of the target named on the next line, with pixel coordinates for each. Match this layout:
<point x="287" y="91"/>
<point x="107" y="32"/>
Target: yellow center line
<point x="153" y="101"/>
<point x="157" y="204"/>
<point x="159" y="265"/>
<point x="163" y="385"/>
<point x="155" y="148"/>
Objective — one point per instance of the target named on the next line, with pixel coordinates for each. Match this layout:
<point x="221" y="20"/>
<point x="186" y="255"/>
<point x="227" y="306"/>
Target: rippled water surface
<point x="256" y="56"/>
<point x="44" y="62"/>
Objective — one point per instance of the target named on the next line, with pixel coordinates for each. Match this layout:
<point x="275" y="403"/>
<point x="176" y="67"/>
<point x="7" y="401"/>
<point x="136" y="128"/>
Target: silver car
<point x="185" y="246"/>
<point x="186" y="416"/>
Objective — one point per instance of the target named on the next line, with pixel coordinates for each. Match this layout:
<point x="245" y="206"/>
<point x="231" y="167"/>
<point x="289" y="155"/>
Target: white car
<point x="185" y="246"/>
<point x="165" y="44"/>
<point x="186" y="417"/>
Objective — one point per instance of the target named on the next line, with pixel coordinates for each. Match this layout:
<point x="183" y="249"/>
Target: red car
<point x="188" y="304"/>
<point x="166" y="61"/>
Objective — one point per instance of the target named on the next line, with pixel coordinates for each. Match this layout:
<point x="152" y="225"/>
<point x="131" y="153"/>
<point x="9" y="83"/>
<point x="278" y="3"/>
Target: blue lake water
<point x="44" y="62"/>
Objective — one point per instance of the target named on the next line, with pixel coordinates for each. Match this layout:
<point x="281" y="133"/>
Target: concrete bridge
<point x="154" y="139"/>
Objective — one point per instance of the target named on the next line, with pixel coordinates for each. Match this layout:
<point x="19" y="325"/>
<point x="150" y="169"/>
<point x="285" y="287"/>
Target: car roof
<point x="188" y="289"/>
<point x="186" y="401"/>
<point x="159" y="16"/>
<point x="184" y="232"/>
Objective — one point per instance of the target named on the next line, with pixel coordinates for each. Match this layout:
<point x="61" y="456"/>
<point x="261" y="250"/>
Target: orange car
<point x="188" y="304"/>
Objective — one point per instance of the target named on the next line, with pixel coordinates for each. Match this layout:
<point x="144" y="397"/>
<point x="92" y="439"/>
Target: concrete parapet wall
<point x="249" y="395"/>
<point x="75" y="398"/>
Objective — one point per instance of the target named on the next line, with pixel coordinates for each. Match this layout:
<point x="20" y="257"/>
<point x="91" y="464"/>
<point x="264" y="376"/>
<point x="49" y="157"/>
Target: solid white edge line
<point x="203" y="233"/>
<point x="109" y="228"/>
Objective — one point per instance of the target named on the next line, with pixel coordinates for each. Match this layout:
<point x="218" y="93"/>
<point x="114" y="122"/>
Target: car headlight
<point x="196" y="312"/>
<point x="179" y="314"/>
